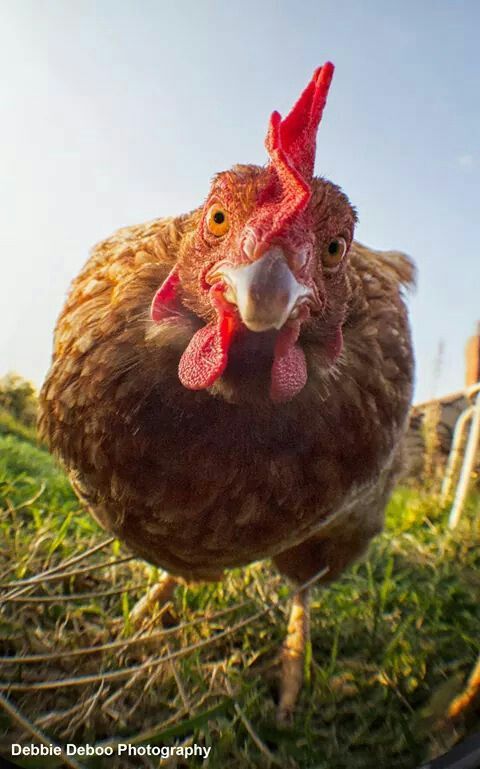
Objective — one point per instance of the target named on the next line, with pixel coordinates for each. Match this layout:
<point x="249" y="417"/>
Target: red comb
<point x="291" y="145"/>
<point x="298" y="131"/>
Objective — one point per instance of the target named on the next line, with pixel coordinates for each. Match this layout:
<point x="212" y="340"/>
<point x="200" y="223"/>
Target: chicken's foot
<point x="293" y="655"/>
<point x="158" y="594"/>
<point x="470" y="695"/>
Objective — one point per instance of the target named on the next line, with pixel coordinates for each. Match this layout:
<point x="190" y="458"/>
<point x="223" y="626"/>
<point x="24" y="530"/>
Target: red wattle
<point x="289" y="370"/>
<point x="206" y="357"/>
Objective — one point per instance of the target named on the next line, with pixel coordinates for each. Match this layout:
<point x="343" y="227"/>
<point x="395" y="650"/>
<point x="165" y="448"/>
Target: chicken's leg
<point x="158" y="594"/>
<point x="469" y="697"/>
<point x="293" y="655"/>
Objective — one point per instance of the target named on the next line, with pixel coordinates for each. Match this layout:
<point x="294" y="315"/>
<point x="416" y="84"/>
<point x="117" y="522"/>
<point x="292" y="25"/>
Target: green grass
<point x="11" y="426"/>
<point x="391" y="641"/>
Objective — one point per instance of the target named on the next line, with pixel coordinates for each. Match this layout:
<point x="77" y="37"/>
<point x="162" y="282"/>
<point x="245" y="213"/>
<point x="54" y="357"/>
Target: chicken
<point x="233" y="384"/>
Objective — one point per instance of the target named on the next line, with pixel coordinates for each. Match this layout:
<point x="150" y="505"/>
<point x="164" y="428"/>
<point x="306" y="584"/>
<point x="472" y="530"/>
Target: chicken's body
<point x="197" y="483"/>
<point x="254" y="405"/>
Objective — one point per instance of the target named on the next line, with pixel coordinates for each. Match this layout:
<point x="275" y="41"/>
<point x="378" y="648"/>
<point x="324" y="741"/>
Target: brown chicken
<point x="254" y="405"/>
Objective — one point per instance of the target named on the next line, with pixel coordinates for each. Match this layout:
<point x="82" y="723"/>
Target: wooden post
<point x="472" y="359"/>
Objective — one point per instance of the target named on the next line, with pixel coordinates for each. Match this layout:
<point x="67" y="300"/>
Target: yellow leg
<point x="158" y="594"/>
<point x="469" y="696"/>
<point x="293" y="655"/>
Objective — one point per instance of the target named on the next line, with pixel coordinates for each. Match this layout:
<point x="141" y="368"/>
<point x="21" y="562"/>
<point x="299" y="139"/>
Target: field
<point x="392" y="641"/>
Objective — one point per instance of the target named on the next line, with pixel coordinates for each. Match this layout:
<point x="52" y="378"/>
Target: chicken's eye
<point x="334" y="252"/>
<point x="218" y="222"/>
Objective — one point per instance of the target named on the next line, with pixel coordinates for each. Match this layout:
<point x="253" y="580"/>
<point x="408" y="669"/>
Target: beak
<point x="265" y="291"/>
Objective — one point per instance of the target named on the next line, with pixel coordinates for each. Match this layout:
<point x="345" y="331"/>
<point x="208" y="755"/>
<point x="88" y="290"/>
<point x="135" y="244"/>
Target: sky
<point x="116" y="112"/>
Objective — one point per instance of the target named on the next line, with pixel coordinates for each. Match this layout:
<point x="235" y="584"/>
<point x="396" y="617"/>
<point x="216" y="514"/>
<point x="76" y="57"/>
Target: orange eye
<point x="334" y="253"/>
<point x="218" y="221"/>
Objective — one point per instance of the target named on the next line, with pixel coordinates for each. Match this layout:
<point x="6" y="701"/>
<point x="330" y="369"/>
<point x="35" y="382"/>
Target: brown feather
<point x="197" y="482"/>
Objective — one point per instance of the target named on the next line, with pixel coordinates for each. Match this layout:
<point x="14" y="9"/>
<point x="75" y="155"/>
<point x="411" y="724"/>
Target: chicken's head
<point x="268" y="256"/>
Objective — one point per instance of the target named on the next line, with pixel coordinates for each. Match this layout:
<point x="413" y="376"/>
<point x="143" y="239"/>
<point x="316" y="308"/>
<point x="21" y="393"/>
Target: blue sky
<point x="116" y="112"/>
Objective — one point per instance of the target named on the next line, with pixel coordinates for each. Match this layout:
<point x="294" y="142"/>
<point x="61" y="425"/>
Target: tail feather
<point x="396" y="262"/>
